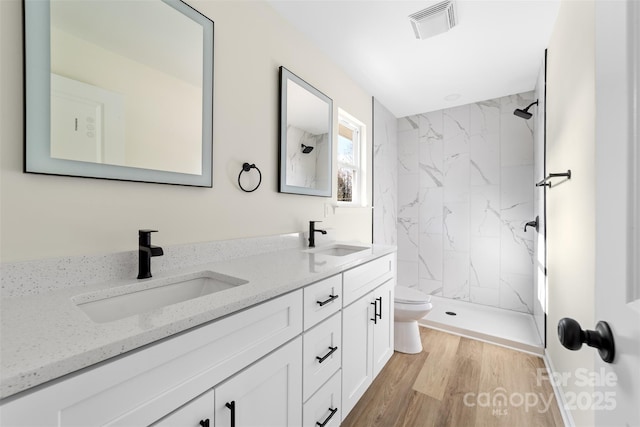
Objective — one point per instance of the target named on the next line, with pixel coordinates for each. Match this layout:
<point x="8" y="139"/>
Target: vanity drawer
<point x="358" y="281"/>
<point x="324" y="404"/>
<point x="321" y="353"/>
<point x="321" y="300"/>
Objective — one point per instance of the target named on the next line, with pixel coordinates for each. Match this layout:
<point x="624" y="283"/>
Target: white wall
<point x="465" y="191"/>
<point x="571" y="205"/>
<point x="47" y="216"/>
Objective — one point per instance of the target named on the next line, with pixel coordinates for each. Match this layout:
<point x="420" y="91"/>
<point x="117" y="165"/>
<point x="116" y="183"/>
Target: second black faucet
<point x="312" y="233"/>
<point x="145" y="251"/>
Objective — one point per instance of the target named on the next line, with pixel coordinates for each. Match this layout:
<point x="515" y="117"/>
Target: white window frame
<point x="359" y="152"/>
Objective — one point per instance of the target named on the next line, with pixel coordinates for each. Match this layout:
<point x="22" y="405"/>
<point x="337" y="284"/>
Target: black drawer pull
<point x="232" y="406"/>
<point x="375" y="312"/>
<point x="327" y="301"/>
<point x="324" y="423"/>
<point x="379" y="314"/>
<point x="323" y="358"/>
<point x="204" y="423"/>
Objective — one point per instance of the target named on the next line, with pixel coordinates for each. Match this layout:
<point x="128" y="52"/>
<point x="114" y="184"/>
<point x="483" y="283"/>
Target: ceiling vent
<point x="436" y="19"/>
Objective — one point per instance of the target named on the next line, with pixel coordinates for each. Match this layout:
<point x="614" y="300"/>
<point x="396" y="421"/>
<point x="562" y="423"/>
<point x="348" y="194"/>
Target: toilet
<point x="410" y="305"/>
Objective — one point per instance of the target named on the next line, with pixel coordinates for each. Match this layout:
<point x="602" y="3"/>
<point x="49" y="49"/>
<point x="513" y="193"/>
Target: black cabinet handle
<point x="375" y="312"/>
<point x="324" y="423"/>
<point x="379" y="299"/>
<point x="204" y="423"/>
<point x="232" y="406"/>
<point x="323" y="358"/>
<point x="327" y="301"/>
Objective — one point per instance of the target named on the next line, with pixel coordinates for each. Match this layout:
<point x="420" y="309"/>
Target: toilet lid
<point x="407" y="295"/>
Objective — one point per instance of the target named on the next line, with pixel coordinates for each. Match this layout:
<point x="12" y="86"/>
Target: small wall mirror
<point x="306" y="133"/>
<point x="119" y="90"/>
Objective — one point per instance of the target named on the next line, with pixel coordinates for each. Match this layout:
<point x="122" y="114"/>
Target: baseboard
<point x="567" y="419"/>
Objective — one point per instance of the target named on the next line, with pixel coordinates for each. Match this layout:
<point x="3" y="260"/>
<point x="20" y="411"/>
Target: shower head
<point x="525" y="114"/>
<point x="306" y="149"/>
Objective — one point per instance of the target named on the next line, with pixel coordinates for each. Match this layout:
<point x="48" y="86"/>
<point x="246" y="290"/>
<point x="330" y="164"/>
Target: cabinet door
<point x="357" y="338"/>
<point x="268" y="393"/>
<point x="383" y="328"/>
<point x="197" y="413"/>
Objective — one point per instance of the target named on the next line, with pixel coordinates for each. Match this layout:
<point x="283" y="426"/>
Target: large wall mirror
<point x="306" y="131"/>
<point x="119" y="89"/>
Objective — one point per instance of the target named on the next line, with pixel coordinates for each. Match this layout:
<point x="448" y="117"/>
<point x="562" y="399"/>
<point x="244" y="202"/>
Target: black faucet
<point x="145" y="252"/>
<point x="312" y="233"/>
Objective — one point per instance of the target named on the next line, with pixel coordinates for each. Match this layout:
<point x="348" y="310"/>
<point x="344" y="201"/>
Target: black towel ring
<point x="246" y="167"/>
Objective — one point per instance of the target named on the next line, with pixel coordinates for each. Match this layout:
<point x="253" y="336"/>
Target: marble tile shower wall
<point x="302" y="167"/>
<point x="465" y="191"/>
<point x="385" y="182"/>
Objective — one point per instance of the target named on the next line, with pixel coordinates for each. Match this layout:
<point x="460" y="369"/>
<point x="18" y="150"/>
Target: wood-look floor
<point x="458" y="382"/>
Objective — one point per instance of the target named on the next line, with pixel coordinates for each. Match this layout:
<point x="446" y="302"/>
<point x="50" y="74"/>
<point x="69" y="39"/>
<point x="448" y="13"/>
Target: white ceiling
<point x="495" y="50"/>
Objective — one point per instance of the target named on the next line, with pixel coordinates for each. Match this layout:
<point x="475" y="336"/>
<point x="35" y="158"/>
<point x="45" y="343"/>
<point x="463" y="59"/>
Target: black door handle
<point x="379" y="299"/>
<point x="204" y="423"/>
<point x="232" y="407"/>
<point x="572" y="336"/>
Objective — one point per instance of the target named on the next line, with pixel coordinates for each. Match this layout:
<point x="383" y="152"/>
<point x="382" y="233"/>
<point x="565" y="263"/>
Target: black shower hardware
<point x="312" y="233"/>
<point x="306" y="149"/>
<point x="572" y="336"/>
<point x="145" y="251"/>
<point x="533" y="224"/>
<point x="525" y="114"/>
<point x="545" y="183"/>
<point x="246" y="167"/>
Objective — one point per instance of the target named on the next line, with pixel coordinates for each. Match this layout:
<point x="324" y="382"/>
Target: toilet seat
<point x="405" y="295"/>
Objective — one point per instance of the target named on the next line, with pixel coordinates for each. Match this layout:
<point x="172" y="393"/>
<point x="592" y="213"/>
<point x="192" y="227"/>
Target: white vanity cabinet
<point x="303" y="358"/>
<point x="367" y="332"/>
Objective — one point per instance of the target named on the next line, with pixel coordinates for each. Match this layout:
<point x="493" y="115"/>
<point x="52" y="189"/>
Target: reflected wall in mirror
<point x="119" y="90"/>
<point x="306" y="133"/>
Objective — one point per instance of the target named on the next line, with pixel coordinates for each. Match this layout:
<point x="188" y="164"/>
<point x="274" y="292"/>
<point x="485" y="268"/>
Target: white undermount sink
<point x="129" y="300"/>
<point x="337" y="250"/>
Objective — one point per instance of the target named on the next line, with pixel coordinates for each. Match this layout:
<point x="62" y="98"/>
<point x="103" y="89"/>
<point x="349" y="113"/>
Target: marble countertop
<point x="46" y="336"/>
